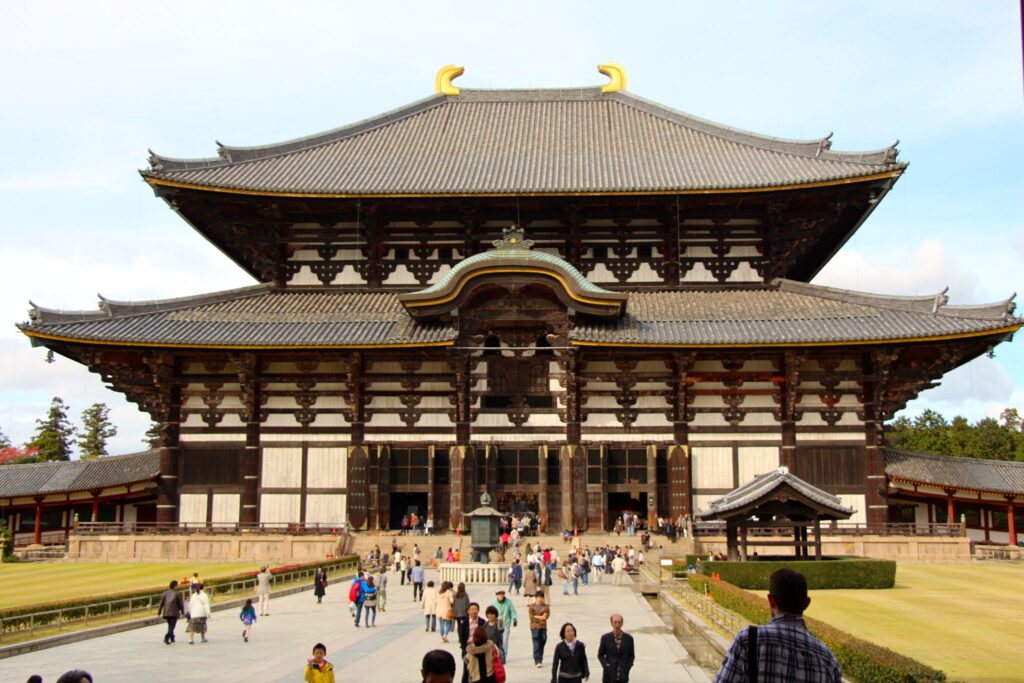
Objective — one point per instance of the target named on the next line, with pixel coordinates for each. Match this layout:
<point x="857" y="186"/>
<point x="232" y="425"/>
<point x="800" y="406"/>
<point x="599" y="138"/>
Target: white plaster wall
<point x="279" y="508"/>
<point x="755" y="460"/>
<point x="712" y="467"/>
<point x="219" y="438"/>
<point x="325" y="508"/>
<point x="226" y="508"/>
<point x="857" y="502"/>
<point x="282" y="467"/>
<point x="192" y="508"/>
<point x="326" y="467"/>
<point x="702" y="501"/>
<point x="401" y="276"/>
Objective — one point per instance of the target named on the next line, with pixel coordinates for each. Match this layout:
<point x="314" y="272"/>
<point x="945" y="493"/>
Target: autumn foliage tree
<point x="96" y="429"/>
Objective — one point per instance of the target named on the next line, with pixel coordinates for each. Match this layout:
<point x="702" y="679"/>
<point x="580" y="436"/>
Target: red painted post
<point x="95" y="510"/>
<point x="1009" y="519"/>
<point x="37" y="534"/>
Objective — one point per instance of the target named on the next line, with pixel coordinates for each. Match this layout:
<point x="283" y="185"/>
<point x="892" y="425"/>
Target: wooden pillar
<point x="743" y="543"/>
<point x="1011" y="527"/>
<point x="950" y="508"/>
<point x="462" y="475"/>
<point x="579" y="484"/>
<point x="247" y="365"/>
<point x="730" y="541"/>
<point x="382" y="520"/>
<point x="817" y="538"/>
<point x="542" y="496"/>
<point x="678" y="481"/>
<point x="37" y="532"/>
<point x="566" y="485"/>
<point x="95" y="515"/>
<point x="430" y="484"/>
<point x="652" y="486"/>
<point x="491" y="472"/>
<point x="679" y="466"/>
<point x="169" y="454"/>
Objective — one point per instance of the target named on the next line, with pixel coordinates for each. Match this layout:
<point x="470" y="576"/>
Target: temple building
<point x="578" y="300"/>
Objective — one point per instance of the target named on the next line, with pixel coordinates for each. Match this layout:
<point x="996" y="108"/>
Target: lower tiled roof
<point x="763" y="485"/>
<point x="78" y="475"/>
<point x="996" y="476"/>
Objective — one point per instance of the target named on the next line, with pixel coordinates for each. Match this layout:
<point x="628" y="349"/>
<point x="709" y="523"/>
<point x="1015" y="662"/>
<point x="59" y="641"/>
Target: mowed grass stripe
<point x="35" y="583"/>
<point x="965" y="619"/>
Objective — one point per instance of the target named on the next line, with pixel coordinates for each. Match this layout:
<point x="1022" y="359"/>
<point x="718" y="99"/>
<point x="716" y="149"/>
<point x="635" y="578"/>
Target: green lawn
<point x="30" y="583"/>
<point x="965" y="619"/>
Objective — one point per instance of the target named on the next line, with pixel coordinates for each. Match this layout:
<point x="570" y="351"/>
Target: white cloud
<point x="973" y="390"/>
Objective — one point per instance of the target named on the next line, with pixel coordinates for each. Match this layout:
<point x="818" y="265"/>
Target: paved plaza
<point x="281" y="642"/>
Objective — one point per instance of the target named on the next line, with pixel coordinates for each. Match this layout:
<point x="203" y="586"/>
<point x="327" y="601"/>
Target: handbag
<point x="451" y="613"/>
<point x="499" y="668"/>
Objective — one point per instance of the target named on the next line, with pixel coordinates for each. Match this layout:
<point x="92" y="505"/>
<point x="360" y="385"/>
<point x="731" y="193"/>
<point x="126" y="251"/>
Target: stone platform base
<point x="899" y="548"/>
<point x="256" y="548"/>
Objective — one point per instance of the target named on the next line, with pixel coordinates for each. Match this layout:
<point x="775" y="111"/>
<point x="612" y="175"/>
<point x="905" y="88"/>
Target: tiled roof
<point x="526" y="141"/>
<point x="78" y="475"/>
<point x="785" y="313"/>
<point x="763" y="485"/>
<point x="996" y="476"/>
<point x="252" y="316"/>
<point x="788" y="313"/>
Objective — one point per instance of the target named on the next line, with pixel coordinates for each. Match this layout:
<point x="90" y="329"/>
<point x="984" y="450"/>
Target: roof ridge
<point x="957" y="458"/>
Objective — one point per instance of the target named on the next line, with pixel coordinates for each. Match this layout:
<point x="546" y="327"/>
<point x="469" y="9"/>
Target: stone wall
<point x="255" y="548"/>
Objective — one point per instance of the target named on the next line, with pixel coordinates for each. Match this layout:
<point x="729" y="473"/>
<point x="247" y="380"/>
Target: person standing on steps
<point x="616" y="653"/>
<point x="263" y="591"/>
<point x="172" y="606"/>
<point x="539" y="615"/>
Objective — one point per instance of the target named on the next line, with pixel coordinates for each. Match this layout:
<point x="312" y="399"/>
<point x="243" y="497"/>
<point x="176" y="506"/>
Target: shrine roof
<point x="762" y="488"/>
<point x="785" y="313"/>
<point x="78" y="475"/>
<point x="995" y="476"/>
<point x="496" y="142"/>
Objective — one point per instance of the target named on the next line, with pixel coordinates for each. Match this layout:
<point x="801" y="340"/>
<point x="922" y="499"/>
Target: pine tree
<point x="5" y="442"/>
<point x="54" y="435"/>
<point x="152" y="437"/>
<point x="96" y="429"/>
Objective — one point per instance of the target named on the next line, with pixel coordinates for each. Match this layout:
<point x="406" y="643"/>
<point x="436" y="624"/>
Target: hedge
<point x="848" y="572"/>
<point x="860" y="660"/>
<point x="76" y="608"/>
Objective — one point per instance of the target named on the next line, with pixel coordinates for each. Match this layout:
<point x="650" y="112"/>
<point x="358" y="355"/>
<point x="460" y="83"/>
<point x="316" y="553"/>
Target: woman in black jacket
<point x="570" y="659"/>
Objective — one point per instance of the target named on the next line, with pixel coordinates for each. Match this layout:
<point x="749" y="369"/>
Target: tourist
<point x="450" y="557"/>
<point x="36" y="678"/>
<point x="466" y="629"/>
<point x="428" y="526"/>
<point x="438" y="666"/>
<point x="417" y="581"/>
<point x="495" y="629"/>
<point x="482" y="663"/>
<point x="248" y="617"/>
<point x="530" y="581"/>
<point x="576" y="570"/>
<point x="381" y="582"/>
<point x="545" y="581"/>
<point x="318" y="669"/>
<point x="172" y="606"/>
<point x="75" y="676"/>
<point x="515" y="577"/>
<point x="565" y="574"/>
<point x="198" y="613"/>
<point x="355" y="597"/>
<point x="539" y="615"/>
<point x="194" y="581"/>
<point x="460" y="605"/>
<point x="444" y="610"/>
<point x="263" y="591"/>
<point x="369" y="603"/>
<point x="569" y="660"/>
<point x="598" y="564"/>
<point x="429" y="604"/>
<point x="508" y="618"/>
<point x="403" y="566"/>
<point x="319" y="584"/>
<point x="616" y="653"/>
<point x="619" y="568"/>
<point x="784" y="650"/>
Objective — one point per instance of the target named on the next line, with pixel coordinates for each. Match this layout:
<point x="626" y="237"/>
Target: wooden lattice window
<point x="627" y="466"/>
<point x="409" y="465"/>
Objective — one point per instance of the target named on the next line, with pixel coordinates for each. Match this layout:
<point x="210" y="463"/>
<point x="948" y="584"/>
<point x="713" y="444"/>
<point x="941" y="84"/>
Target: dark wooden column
<point x="358" y="498"/>
<point x="679" y="472"/>
<point x="542" y="495"/>
<point x="37" y="531"/>
<point x="430" y="485"/>
<point x="382" y="519"/>
<point x="491" y="470"/>
<point x="579" y="484"/>
<point x="248" y="368"/>
<point x="566" y="481"/>
<point x="167" y="411"/>
<point x="461" y="462"/>
<point x="875" y="494"/>
<point x="788" y="396"/>
<point x="652" y="486"/>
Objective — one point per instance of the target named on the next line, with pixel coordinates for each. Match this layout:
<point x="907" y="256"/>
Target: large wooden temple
<point x="578" y="300"/>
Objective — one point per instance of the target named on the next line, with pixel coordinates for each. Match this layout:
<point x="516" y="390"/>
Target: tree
<point x="4" y="441"/>
<point x="13" y="455"/>
<point x="152" y="437"/>
<point x="55" y="435"/>
<point x="96" y="429"/>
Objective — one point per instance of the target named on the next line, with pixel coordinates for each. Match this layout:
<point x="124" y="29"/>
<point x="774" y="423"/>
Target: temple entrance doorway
<point x="517" y="502"/>
<point x="620" y="503"/>
<point x="405" y="504"/>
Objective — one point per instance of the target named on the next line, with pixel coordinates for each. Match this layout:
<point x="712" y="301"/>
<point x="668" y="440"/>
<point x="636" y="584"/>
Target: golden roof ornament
<point x="445" y="76"/>
<point x="513" y="237"/>
<point x="616" y="73"/>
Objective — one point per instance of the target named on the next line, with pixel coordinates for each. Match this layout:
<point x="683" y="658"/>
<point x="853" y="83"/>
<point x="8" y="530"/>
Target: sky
<point x="89" y="87"/>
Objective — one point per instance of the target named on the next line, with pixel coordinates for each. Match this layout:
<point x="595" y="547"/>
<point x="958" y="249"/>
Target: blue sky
<point x="88" y="87"/>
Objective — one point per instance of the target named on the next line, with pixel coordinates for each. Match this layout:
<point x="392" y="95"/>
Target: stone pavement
<point x="281" y="642"/>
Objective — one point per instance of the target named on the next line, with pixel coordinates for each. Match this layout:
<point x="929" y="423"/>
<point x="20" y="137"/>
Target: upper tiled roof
<point x="78" y="475"/>
<point x="526" y="141"/>
<point x="996" y="476"/>
<point x="786" y="313"/>
<point x="762" y="486"/>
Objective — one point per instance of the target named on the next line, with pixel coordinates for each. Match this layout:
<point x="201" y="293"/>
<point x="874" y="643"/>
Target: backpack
<point x="353" y="592"/>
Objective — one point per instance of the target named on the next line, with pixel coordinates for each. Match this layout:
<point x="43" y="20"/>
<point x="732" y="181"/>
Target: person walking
<point x="198" y="613"/>
<point x="381" y="582"/>
<point x="565" y="574"/>
<point x="466" y="630"/>
<point x="783" y="650"/>
<point x="616" y="653"/>
<point x="429" y="604"/>
<point x="495" y="629"/>
<point x="539" y="614"/>
<point x="507" y="617"/>
<point x="320" y="584"/>
<point x="481" y="660"/>
<point x="263" y="591"/>
<point x="515" y="577"/>
<point x="418" y="575"/>
<point x="369" y="604"/>
<point x="172" y="606"/>
<point x="445" y="609"/>
<point x="618" y="567"/>
<point x="530" y="582"/>
<point x="460" y="605"/>
<point x="355" y="596"/>
<point x="248" y="617"/>
<point x="569" y="661"/>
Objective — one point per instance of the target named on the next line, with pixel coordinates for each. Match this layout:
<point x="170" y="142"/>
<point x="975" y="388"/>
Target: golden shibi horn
<point x="445" y="76"/>
<point x="616" y="73"/>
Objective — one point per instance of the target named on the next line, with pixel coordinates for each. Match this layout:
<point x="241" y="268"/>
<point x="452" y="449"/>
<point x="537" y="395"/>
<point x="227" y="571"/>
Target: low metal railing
<point x="709" y="609"/>
<point x="83" y="614"/>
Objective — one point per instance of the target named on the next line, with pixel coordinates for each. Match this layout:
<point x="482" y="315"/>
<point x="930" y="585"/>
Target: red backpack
<point x="353" y="592"/>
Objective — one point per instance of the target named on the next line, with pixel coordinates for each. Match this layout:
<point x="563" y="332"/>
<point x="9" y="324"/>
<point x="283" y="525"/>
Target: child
<point x="318" y="669"/>
<point x="248" y="617"/>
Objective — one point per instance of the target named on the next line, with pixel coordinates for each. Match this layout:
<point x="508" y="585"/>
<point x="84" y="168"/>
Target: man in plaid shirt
<point x="786" y="650"/>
